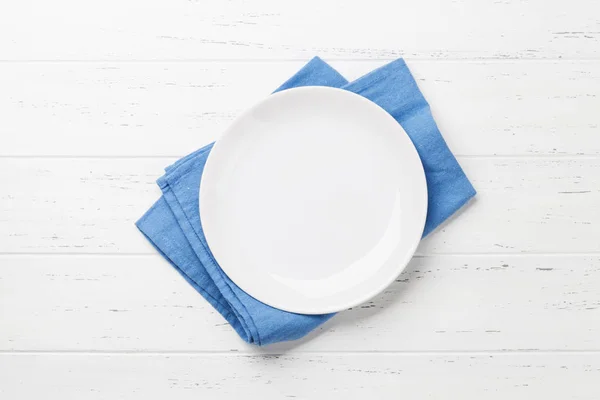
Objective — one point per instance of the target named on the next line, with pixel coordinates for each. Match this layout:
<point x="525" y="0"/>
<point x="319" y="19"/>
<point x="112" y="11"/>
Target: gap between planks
<point x="300" y="59"/>
<point x="433" y="255"/>
<point x="177" y="156"/>
<point x="264" y="352"/>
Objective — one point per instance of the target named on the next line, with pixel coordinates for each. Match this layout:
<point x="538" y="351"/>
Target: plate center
<point x="317" y="191"/>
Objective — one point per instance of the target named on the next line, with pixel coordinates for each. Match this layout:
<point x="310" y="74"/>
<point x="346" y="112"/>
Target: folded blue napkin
<point x="173" y="225"/>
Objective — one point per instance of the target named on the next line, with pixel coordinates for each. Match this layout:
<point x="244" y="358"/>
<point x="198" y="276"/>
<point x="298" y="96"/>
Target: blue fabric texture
<point x="173" y="225"/>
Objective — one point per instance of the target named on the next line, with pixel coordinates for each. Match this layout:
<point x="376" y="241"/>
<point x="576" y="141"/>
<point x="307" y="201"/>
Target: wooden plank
<point x="331" y="376"/>
<point x="81" y="205"/>
<point x="271" y="29"/>
<point x="169" y="109"/>
<point x="443" y="303"/>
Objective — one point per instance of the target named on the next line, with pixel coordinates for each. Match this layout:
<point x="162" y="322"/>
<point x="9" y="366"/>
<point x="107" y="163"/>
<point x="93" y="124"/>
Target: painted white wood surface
<point x="331" y="376"/>
<point x="166" y="108"/>
<point x="274" y="29"/>
<point x="440" y="303"/>
<point x="96" y="98"/>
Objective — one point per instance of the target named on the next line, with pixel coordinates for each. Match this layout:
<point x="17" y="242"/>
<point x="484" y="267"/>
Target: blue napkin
<point x="173" y="226"/>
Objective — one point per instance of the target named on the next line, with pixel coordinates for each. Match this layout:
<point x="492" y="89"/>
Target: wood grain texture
<point x="272" y="29"/>
<point x="168" y="109"/>
<point x="81" y="205"/>
<point x="447" y="303"/>
<point x="331" y="376"/>
<point x="95" y="99"/>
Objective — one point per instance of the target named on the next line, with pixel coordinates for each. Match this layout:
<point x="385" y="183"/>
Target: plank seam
<point x="304" y="59"/>
<point x="567" y="157"/>
<point x="429" y="255"/>
<point x="266" y="353"/>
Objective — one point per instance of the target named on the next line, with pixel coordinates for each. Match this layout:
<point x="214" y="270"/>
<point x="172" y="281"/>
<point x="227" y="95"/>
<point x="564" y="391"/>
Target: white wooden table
<point x="503" y="302"/>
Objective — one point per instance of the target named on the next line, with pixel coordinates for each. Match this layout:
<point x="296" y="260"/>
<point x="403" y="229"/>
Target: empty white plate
<point x="314" y="200"/>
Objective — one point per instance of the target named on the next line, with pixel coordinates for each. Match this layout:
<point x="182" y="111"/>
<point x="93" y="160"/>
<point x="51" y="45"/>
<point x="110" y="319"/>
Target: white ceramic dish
<point x="314" y="200"/>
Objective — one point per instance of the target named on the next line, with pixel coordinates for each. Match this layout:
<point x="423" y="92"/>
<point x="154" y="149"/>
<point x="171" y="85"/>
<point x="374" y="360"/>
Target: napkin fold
<point x="173" y="225"/>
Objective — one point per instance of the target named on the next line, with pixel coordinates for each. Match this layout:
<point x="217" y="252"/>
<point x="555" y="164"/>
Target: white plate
<point x="314" y="200"/>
